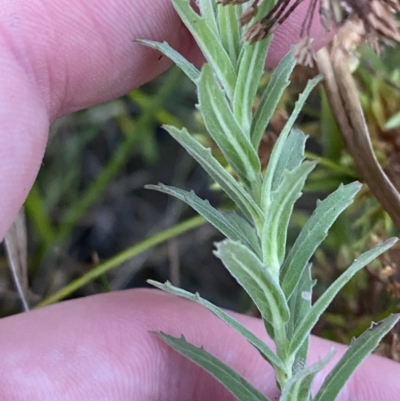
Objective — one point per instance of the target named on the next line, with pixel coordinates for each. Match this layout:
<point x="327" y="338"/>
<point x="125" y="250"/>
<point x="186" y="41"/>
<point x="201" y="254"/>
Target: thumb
<point x="24" y="124"/>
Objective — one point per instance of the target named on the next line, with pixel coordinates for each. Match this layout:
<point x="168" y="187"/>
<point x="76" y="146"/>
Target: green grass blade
<point x="235" y="383"/>
<point x="122" y="257"/>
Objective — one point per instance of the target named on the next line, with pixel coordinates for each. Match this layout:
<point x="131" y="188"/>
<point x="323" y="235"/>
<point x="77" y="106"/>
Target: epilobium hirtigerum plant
<point x="278" y="282"/>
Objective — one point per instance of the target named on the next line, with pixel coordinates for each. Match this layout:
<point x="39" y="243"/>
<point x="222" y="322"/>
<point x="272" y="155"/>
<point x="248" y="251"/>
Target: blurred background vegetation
<point x="93" y="228"/>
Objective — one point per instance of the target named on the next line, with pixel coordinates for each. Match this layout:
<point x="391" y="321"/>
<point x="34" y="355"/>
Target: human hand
<point x="100" y="348"/>
<point x="65" y="55"/>
<point x="58" y="57"/>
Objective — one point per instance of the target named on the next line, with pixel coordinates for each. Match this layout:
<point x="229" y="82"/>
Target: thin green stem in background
<point x="122" y="257"/>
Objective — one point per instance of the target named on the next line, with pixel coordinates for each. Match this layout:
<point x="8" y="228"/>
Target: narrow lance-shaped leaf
<point x="263" y="348"/>
<point x="280" y="143"/>
<point x="220" y="220"/>
<point x="313" y="233"/>
<point x="359" y="349"/>
<point x="235" y="383"/>
<point x="208" y="10"/>
<point x="209" y="44"/>
<point x="300" y="306"/>
<point x="229" y="30"/>
<point x="292" y="156"/>
<point x="246" y="229"/>
<point x="225" y="130"/>
<point x="188" y="68"/>
<point x="255" y="278"/>
<point x="298" y="387"/>
<point x="309" y="321"/>
<point x="270" y="98"/>
<point x="277" y="216"/>
<point x="251" y="67"/>
<point x="228" y="184"/>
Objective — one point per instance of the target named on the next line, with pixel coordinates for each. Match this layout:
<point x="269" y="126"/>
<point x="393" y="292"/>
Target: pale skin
<point x="57" y="57"/>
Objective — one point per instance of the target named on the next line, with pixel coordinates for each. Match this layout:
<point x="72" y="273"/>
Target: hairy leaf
<point x="280" y="144"/>
<point x="309" y="321"/>
<point x="270" y="98"/>
<point x="235" y="383"/>
<point x="188" y="68"/>
<point x="234" y="228"/>
<point x="298" y="387"/>
<point x="255" y="278"/>
<point x="209" y="44"/>
<point x="229" y="29"/>
<point x="263" y="348"/>
<point x="313" y="233"/>
<point x="277" y="216"/>
<point x="251" y="67"/>
<point x="228" y="184"/>
<point x="292" y="156"/>
<point x="224" y="129"/>
<point x="359" y="349"/>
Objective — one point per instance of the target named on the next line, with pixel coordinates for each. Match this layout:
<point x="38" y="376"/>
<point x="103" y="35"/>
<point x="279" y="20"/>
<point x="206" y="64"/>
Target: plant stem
<point x="123" y="257"/>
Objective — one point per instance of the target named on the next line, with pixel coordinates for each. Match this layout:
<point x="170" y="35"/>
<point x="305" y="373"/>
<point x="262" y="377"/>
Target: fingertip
<point x="24" y="124"/>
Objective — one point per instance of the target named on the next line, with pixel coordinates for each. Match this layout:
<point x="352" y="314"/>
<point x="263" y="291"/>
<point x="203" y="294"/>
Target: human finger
<point x="103" y="348"/>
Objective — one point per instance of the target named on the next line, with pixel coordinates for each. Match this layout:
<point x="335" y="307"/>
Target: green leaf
<point x="229" y="29"/>
<point x="208" y="10"/>
<point x="225" y="130"/>
<point x="255" y="278"/>
<point x="300" y="306"/>
<point x="263" y="8"/>
<point x="277" y="216"/>
<point x="270" y="98"/>
<point x="210" y="45"/>
<point x="247" y="230"/>
<point x="313" y="233"/>
<point x="280" y="143"/>
<point x="263" y="348"/>
<point x="298" y="387"/>
<point x="292" y="156"/>
<point x="235" y="229"/>
<point x="359" y="349"/>
<point x="228" y="184"/>
<point x="251" y="67"/>
<point x="309" y="321"/>
<point x="235" y="383"/>
<point x="393" y="122"/>
<point x="188" y="68"/>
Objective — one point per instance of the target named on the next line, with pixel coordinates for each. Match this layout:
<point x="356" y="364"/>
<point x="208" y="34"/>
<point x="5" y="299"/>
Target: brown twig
<point x="343" y="98"/>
